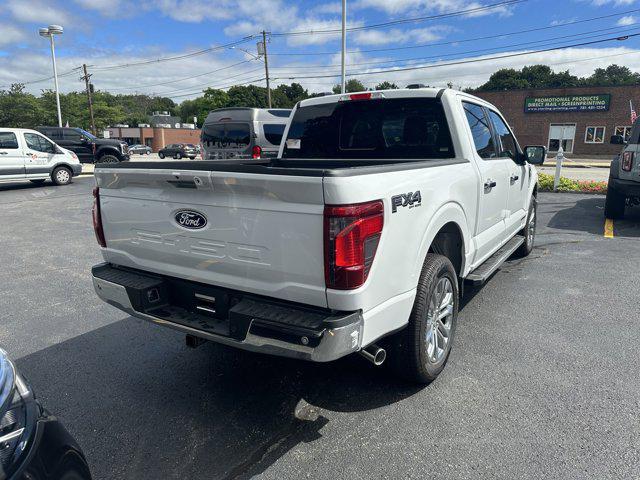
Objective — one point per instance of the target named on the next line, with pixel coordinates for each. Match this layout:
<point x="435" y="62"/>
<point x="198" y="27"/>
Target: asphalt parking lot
<point x="542" y="382"/>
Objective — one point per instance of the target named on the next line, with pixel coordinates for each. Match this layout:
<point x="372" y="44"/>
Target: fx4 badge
<point x="411" y="200"/>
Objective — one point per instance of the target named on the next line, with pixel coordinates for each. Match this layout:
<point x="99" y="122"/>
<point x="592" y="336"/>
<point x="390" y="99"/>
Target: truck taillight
<point x="256" y="151"/>
<point x="351" y="237"/>
<point x="627" y="161"/>
<point x="97" y="218"/>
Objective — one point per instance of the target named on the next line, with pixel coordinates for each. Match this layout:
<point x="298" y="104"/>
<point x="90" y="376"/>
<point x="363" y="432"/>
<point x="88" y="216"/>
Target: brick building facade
<point x="155" y="137"/>
<point x="583" y="118"/>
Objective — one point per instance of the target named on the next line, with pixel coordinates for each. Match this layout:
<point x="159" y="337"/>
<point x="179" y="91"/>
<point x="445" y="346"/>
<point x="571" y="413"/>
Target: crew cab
<point x="28" y="155"/>
<point x="88" y="147"/>
<point x="356" y="238"/>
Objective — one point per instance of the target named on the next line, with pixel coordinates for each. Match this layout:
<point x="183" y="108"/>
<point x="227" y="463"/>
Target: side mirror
<point x="535" y="155"/>
<point x="617" y="140"/>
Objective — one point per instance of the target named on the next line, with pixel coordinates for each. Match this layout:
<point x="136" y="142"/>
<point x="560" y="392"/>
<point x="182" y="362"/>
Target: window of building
<point x="594" y="135"/>
<point x="623" y="131"/>
<point x="561" y="132"/>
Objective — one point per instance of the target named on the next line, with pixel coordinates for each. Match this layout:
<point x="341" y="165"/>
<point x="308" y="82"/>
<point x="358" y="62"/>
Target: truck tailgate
<point x="263" y="233"/>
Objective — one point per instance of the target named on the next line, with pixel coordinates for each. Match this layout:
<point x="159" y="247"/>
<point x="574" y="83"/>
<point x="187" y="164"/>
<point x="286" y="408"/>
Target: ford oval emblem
<point x="190" y="219"/>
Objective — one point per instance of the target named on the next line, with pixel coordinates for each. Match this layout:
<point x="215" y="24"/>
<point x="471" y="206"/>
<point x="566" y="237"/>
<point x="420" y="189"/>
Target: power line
<point x="469" y="11"/>
<point x="30" y="82"/>
<point x="177" y="57"/>
<point x="209" y="85"/>
<point x="463" y="62"/>
<point x="185" y="78"/>
<point x="543" y="42"/>
<point x="466" y="40"/>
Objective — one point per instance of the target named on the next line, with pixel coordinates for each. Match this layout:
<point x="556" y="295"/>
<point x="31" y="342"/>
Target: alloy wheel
<point x="439" y="320"/>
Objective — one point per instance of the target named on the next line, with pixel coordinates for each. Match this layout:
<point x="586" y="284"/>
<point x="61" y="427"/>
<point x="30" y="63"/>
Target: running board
<point x="495" y="261"/>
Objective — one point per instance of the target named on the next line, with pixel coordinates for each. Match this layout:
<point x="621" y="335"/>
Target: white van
<point x="28" y="155"/>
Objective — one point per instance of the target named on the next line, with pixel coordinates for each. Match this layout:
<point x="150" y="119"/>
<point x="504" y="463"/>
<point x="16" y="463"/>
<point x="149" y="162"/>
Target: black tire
<point x="148" y="152"/>
<point x="61" y="176"/>
<point x="529" y="230"/>
<point x="108" y="159"/>
<point x="178" y="156"/>
<point x="615" y="204"/>
<point x="161" y="155"/>
<point x="409" y="354"/>
<point x="39" y="181"/>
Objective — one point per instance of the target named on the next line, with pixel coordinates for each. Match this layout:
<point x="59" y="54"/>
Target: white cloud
<point x="334" y="8"/>
<point x="10" y="34"/>
<point x="627" y="20"/>
<point x="396" y="36"/>
<point x="426" y="6"/>
<point x="37" y="11"/>
<point x="617" y="3"/>
<point x="190" y="10"/>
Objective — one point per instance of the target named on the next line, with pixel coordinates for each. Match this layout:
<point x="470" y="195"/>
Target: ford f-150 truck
<point x="356" y="238"/>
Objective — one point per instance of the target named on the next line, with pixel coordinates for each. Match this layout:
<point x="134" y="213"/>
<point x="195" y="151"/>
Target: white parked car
<point x="29" y="155"/>
<point x="357" y="238"/>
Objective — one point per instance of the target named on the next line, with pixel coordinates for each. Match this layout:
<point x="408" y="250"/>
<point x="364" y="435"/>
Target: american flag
<point x="634" y="115"/>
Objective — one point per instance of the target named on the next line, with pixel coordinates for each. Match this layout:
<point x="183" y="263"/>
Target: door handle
<point x="514" y="178"/>
<point x="489" y="184"/>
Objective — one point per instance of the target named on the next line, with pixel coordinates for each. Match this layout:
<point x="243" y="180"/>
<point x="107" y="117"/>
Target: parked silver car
<point x="243" y="133"/>
<point x="139" y="149"/>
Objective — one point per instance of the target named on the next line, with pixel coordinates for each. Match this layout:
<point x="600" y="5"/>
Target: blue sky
<point x="106" y="33"/>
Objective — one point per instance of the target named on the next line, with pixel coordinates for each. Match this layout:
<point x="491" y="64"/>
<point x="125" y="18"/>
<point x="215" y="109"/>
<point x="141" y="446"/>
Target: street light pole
<point x="344" y="44"/>
<point x="50" y="31"/>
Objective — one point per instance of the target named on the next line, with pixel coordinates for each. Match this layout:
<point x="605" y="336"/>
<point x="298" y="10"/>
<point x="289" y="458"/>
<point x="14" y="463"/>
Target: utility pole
<point x="266" y="66"/>
<point x="344" y="43"/>
<point x="86" y="78"/>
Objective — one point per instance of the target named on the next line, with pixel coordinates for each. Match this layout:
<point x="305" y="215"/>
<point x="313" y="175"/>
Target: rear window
<point x="226" y="135"/>
<point x="407" y="128"/>
<point x="273" y="132"/>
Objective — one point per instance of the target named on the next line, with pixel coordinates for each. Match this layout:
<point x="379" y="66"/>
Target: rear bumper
<point x="629" y="188"/>
<point x="244" y="321"/>
<point x="77" y="169"/>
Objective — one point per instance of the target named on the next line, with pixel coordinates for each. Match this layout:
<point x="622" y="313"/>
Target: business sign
<point x="568" y="103"/>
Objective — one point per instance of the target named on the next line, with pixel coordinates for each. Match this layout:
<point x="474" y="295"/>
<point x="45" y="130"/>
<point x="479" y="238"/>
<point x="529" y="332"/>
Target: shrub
<point x="545" y="182"/>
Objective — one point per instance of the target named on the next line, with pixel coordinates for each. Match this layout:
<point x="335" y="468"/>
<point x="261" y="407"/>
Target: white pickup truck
<point x="357" y="238"/>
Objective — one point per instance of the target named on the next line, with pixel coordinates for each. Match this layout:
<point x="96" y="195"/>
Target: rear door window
<point x="226" y="135"/>
<point x="404" y="128"/>
<point x="72" y="135"/>
<point x="53" y="133"/>
<point x="273" y="132"/>
<point x="8" y="141"/>
<point x="480" y="130"/>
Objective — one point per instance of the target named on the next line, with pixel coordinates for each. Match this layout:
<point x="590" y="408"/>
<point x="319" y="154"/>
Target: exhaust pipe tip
<point x="374" y="354"/>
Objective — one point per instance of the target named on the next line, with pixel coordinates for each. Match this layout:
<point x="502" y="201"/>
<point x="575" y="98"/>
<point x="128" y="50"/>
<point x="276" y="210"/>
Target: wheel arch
<point x="447" y="234"/>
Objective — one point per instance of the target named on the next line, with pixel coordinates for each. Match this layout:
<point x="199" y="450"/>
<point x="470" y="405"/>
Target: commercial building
<point x="582" y="119"/>
<point x="155" y="137"/>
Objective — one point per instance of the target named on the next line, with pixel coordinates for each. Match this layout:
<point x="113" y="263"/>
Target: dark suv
<point x="89" y="148"/>
<point x="178" y="150"/>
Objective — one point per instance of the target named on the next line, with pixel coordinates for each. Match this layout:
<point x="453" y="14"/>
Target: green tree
<point x="352" y="85"/>
<point x="613" y="75"/>
<point x="19" y="109"/>
<point x="386" y="86"/>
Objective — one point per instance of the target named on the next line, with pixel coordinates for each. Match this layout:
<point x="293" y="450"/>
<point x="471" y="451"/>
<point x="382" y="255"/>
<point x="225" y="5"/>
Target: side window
<point x="479" y="124"/>
<point x="273" y="132"/>
<point x="55" y="134"/>
<point x="8" y="141"/>
<point x="72" y="135"/>
<point x="39" y="143"/>
<point x="508" y="145"/>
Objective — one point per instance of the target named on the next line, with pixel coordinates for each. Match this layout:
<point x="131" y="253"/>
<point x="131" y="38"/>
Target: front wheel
<point x="615" y="204"/>
<point x="420" y="351"/>
<point x="61" y="176"/>
<point x="108" y="159"/>
<point x="178" y="156"/>
<point x="529" y="230"/>
<point x="161" y="155"/>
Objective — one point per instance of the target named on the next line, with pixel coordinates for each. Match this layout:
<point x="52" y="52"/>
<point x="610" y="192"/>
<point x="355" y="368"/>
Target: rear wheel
<point x="419" y="352"/>
<point x="614" y="204"/>
<point x="61" y="176"/>
<point x="108" y="159"/>
<point x="178" y="156"/>
<point x="161" y="155"/>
